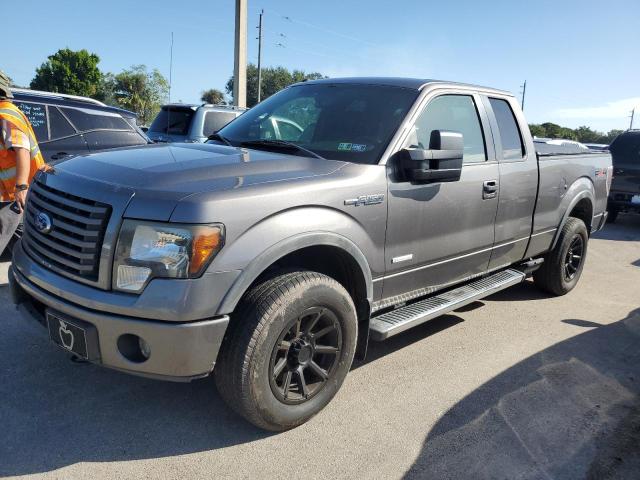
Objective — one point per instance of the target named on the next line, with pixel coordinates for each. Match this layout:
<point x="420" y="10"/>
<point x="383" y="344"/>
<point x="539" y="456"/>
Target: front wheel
<point x="288" y="349"/>
<point x="563" y="265"/>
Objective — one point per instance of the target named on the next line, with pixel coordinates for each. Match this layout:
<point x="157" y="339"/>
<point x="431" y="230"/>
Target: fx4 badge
<point x="365" y="200"/>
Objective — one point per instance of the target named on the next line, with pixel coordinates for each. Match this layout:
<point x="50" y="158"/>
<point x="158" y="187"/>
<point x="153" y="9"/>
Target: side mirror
<point x="441" y="163"/>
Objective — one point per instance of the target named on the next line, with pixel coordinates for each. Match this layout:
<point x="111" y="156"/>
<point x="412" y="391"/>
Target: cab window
<point x="510" y="137"/>
<point x="456" y="113"/>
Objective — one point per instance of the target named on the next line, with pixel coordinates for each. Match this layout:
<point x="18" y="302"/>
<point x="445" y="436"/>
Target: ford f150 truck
<point x="334" y="212"/>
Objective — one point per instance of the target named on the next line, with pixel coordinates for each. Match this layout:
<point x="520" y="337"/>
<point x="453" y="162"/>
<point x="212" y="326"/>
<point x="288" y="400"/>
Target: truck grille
<point x="77" y="225"/>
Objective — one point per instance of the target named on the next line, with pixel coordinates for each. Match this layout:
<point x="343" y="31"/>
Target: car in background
<point x="625" y="189"/>
<point x="598" y="147"/>
<point x="559" y="146"/>
<point x="180" y="122"/>
<point x="69" y="125"/>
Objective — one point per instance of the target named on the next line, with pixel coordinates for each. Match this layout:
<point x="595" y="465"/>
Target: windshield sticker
<point x="351" y="147"/>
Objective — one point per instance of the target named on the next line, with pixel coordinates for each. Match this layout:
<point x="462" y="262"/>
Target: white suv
<point x="179" y="122"/>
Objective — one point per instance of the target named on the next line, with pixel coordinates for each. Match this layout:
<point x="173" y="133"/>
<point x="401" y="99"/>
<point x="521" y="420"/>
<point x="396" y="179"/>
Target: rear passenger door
<point x="518" y="181"/>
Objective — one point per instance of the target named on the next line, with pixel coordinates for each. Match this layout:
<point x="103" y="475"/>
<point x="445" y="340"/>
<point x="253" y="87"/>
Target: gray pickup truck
<point x="276" y="254"/>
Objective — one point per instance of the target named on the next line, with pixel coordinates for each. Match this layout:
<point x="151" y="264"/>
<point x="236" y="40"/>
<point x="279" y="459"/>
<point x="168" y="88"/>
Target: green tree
<point x="537" y="131"/>
<point x="274" y="79"/>
<point x="69" y="71"/>
<point x="213" y="96"/>
<point x="609" y="137"/>
<point x="585" y="134"/>
<point x="139" y="90"/>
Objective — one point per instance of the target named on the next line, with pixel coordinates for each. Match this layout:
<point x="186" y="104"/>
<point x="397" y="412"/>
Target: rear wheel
<point x="288" y="350"/>
<point x="563" y="265"/>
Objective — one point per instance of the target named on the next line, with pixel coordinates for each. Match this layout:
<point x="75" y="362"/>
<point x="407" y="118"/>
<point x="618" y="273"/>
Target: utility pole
<point x="524" y="90"/>
<point x="170" y="66"/>
<point x="632" y="114"/>
<point x="240" y="56"/>
<point x="260" y="55"/>
<point x="170" y="80"/>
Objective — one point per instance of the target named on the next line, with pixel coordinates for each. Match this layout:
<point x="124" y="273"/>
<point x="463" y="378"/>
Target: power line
<point x="323" y="29"/>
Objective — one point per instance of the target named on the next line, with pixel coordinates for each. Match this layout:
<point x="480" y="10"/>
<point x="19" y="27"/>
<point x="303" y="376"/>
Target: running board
<point x="403" y="318"/>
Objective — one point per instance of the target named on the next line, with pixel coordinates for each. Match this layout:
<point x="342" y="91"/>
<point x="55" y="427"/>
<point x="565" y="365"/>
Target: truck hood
<point x="161" y="175"/>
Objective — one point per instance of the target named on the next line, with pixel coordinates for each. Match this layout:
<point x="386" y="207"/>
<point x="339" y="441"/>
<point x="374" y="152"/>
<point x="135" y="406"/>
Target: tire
<point x="562" y="268"/>
<point x="284" y="319"/>
<point x="613" y="215"/>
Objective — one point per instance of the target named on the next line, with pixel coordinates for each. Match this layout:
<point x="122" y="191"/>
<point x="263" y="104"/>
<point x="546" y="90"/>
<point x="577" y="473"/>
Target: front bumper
<point x="180" y="351"/>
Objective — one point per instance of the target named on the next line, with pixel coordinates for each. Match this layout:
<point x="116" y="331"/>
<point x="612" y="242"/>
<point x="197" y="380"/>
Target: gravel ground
<point x="519" y="385"/>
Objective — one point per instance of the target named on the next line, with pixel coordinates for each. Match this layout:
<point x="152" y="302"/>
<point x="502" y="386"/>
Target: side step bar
<point x="401" y="319"/>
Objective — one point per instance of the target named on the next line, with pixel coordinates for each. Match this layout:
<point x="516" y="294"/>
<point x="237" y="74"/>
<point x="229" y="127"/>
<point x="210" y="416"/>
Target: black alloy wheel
<point x="574" y="257"/>
<point x="305" y="356"/>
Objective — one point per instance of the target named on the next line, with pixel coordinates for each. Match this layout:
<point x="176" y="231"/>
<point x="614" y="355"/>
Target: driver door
<point x="442" y="233"/>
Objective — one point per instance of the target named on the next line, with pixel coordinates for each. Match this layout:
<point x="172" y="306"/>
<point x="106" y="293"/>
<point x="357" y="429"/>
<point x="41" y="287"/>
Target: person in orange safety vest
<point x="20" y="159"/>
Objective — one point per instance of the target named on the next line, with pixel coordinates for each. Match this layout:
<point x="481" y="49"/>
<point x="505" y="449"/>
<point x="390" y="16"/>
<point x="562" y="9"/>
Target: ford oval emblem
<point x="43" y="222"/>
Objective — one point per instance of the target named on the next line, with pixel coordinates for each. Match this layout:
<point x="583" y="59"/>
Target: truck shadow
<point x="570" y="411"/>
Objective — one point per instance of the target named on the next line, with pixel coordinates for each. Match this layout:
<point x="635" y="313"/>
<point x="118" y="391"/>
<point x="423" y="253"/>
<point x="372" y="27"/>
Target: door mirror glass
<point x="442" y="162"/>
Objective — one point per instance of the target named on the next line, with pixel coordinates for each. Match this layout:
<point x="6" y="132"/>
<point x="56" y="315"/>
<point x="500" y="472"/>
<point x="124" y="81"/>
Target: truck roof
<point x="413" y="83"/>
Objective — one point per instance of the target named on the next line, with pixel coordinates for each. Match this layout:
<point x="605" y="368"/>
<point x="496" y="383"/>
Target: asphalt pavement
<point x="519" y="385"/>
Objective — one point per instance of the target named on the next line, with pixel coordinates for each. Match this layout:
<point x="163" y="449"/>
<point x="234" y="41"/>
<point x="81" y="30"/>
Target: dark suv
<point x="625" y="190"/>
<point x="67" y="125"/>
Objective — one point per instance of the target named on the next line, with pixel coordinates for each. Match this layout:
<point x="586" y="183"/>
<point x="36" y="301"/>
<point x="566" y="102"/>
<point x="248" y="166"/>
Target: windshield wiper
<point x="280" y="144"/>
<point x="217" y="136"/>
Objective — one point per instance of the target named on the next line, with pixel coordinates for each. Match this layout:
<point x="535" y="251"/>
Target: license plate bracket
<point x="72" y="335"/>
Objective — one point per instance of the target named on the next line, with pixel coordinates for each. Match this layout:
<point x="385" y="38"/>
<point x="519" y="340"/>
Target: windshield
<point x="336" y="121"/>
<point x="174" y="121"/>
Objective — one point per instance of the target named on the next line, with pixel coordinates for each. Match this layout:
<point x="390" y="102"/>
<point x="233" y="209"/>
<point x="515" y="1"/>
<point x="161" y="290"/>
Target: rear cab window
<point x="510" y="135"/>
<point x="214" y="121"/>
<point x="173" y="121"/>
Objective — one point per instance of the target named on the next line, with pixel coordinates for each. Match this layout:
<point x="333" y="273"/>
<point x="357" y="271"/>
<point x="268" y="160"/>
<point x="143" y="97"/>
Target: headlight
<point x="149" y="250"/>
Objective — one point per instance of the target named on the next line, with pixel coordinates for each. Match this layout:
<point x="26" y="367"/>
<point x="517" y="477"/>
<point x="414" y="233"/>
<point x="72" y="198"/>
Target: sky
<point x="580" y="59"/>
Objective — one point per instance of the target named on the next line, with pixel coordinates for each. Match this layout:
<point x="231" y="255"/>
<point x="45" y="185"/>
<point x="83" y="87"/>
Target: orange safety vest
<point x="12" y="114"/>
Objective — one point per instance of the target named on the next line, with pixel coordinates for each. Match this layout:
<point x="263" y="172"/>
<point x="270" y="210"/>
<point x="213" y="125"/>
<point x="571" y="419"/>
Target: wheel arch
<point x="580" y="203"/>
<point x="301" y="251"/>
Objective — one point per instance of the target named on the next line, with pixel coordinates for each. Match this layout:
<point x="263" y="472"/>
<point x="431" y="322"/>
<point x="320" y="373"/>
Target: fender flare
<point x="289" y="245"/>
<point x="585" y="193"/>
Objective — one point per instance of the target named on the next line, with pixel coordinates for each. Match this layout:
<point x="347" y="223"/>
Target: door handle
<point x="489" y="189"/>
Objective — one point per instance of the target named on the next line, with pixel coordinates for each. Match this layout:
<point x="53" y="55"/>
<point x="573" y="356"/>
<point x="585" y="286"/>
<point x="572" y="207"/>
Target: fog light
<point x="132" y="278"/>
<point x="145" y="348"/>
<point x="134" y="348"/>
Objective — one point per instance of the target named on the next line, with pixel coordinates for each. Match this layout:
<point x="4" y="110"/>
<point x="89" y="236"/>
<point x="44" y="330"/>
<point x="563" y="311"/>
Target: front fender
<point x="286" y="232"/>
<point x="285" y="247"/>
